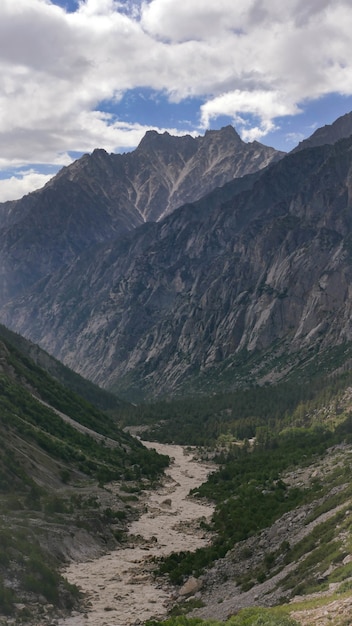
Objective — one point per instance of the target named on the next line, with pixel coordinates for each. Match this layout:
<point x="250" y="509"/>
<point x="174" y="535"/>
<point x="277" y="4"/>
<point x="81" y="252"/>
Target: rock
<point x="251" y="264"/>
<point x="101" y="196"/>
<point x="191" y="586"/>
<point x="347" y="559"/>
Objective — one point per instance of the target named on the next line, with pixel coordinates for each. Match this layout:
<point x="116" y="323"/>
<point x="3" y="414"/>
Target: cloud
<point x="256" y="45"/>
<point x="264" y="105"/>
<point x="252" y="60"/>
<point x="18" y="186"/>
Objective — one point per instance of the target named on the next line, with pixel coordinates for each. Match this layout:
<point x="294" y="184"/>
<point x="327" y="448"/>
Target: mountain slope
<point x="57" y="451"/>
<point x="68" y="378"/>
<point x="282" y="494"/>
<point x="329" y="134"/>
<point x="261" y="260"/>
<point x="102" y="196"/>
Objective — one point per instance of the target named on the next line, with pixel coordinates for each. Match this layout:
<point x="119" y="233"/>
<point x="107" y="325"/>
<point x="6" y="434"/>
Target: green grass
<point x="245" y="617"/>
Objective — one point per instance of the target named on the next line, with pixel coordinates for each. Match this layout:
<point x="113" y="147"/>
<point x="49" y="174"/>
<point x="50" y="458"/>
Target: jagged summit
<point x="189" y="146"/>
<point x="153" y="137"/>
<point x="102" y="196"/>
<point x="228" y="264"/>
<point x="227" y="130"/>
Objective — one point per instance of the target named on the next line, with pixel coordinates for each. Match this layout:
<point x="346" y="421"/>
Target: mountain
<point x="57" y="453"/>
<point x="186" y="168"/>
<point x="248" y="284"/>
<point x="280" y="530"/>
<point x="100" y="398"/>
<point x="261" y="266"/>
<point x="102" y="196"/>
<point x="331" y="133"/>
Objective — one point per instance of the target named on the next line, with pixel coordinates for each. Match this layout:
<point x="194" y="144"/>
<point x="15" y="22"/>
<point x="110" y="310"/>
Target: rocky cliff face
<point x="193" y="167"/>
<point x="329" y="134"/>
<point x="265" y="259"/>
<point x="102" y="196"/>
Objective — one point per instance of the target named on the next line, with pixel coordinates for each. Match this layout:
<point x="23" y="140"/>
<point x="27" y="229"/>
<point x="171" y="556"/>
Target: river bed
<point x="119" y="586"/>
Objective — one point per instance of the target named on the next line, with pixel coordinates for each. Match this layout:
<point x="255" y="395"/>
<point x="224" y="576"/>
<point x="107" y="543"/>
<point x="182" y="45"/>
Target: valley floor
<point x="121" y="590"/>
<point x="119" y="586"/>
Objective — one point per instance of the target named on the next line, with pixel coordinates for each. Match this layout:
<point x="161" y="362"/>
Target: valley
<point x="120" y="586"/>
<point x="200" y="290"/>
<point x="274" y="505"/>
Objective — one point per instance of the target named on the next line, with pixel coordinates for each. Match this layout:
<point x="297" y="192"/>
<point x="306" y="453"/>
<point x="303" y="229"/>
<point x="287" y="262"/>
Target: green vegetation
<point x="57" y="451"/>
<point x="240" y="414"/>
<point x="21" y="409"/>
<point x="250" y="494"/>
<point x="245" y="617"/>
<point x="290" y="426"/>
<point x="100" y="398"/>
<point x="39" y="424"/>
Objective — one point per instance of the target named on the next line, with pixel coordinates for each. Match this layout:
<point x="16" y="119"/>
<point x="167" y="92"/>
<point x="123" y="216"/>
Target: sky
<point x="76" y="75"/>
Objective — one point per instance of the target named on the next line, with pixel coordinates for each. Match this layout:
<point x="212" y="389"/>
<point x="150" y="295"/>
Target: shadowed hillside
<point x="58" y="453"/>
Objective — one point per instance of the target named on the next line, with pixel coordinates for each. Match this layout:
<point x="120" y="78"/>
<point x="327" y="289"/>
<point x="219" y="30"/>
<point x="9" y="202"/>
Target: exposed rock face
<point x="329" y="134"/>
<point x="102" y="196"/>
<point x="185" y="169"/>
<point x="263" y="259"/>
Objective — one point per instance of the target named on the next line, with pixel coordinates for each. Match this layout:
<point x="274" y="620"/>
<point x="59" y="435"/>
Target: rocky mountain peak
<point x="262" y="261"/>
<point x="228" y="132"/>
<point x="102" y="196"/>
<point x="226" y="138"/>
<point x="224" y="268"/>
<point x="167" y="146"/>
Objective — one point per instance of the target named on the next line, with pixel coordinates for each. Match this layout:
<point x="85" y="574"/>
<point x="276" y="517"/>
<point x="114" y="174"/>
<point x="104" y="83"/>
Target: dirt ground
<point x="119" y="586"/>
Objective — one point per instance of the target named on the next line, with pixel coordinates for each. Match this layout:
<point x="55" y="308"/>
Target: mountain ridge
<point x="261" y="260"/>
<point x="63" y="375"/>
<point x="328" y="134"/>
<point x="100" y="197"/>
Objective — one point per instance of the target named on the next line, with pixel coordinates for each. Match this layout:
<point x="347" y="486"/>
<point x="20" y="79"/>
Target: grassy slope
<point x="62" y="374"/>
<point x="52" y="476"/>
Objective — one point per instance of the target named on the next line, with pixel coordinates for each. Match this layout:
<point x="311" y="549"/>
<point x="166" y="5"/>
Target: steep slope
<point x="68" y="378"/>
<point x="102" y="196"/>
<point x="57" y="452"/>
<point x="329" y="134"/>
<point x="193" y="167"/>
<point x="265" y="259"/>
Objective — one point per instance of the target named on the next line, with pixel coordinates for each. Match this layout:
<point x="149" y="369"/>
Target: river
<point x="119" y="585"/>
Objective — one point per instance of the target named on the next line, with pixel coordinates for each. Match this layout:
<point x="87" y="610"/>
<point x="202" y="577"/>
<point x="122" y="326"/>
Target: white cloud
<point x="264" y="105"/>
<point x="18" y="186"/>
<point x="98" y="7"/>
<point x="258" y="58"/>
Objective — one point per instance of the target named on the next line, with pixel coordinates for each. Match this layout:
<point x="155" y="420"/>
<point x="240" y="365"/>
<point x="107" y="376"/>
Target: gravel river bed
<point x="119" y="586"/>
